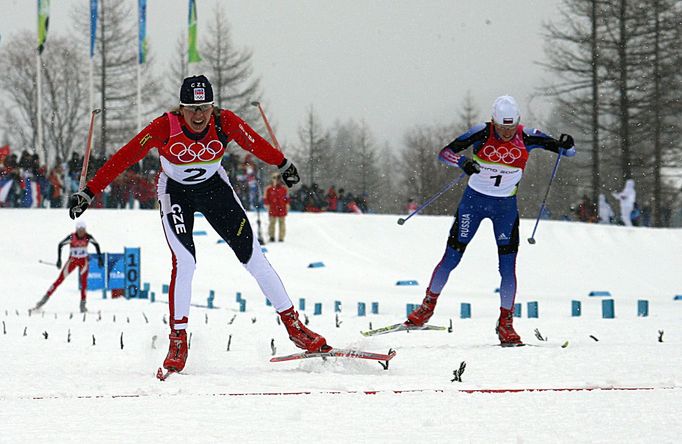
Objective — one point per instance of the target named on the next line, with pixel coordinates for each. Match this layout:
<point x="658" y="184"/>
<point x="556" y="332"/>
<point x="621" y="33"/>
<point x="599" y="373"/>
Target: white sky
<point x="393" y="63"/>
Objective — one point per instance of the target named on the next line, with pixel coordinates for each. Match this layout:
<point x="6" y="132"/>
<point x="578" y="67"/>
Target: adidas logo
<point x="502" y="236"/>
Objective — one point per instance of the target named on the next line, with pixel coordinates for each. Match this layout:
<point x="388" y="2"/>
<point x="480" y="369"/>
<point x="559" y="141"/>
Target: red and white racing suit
<point x="192" y="179"/>
<point x="78" y="257"/>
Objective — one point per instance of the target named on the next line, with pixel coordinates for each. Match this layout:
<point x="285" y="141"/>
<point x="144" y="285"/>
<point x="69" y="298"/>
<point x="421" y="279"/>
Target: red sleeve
<point x="153" y="135"/>
<point x="246" y="137"/>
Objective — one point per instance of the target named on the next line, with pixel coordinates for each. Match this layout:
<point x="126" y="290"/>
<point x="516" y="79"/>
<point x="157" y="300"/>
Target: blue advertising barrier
<point x="576" y="308"/>
<point x="120" y="271"/>
<point x="96" y="274"/>
<point x="465" y="310"/>
<point x="115" y="271"/>
<point x="532" y="309"/>
<point x="607" y="309"/>
<point x="407" y="282"/>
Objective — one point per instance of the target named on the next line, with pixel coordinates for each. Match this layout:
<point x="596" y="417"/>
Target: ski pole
<point x="88" y="148"/>
<point x="531" y="239"/>
<point x="259" y="176"/>
<point x="267" y="124"/>
<point x="401" y="221"/>
<point x="40" y="261"/>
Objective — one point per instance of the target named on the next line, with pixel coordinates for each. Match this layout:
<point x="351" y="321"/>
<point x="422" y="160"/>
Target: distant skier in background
<point x="277" y="202"/>
<point x="500" y="151"/>
<point x="191" y="140"/>
<point x="78" y="257"/>
<point x="606" y="213"/>
<point x="627" y="199"/>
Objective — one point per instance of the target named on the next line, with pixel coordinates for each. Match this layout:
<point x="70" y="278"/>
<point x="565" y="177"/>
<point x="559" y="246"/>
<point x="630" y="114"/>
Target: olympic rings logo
<point x="502" y="153"/>
<point x="197" y="151"/>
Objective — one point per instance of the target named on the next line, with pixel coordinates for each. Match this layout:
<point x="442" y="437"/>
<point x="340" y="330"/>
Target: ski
<point x="162" y="376"/>
<point x="337" y="353"/>
<point x="541" y="345"/>
<point x="400" y="327"/>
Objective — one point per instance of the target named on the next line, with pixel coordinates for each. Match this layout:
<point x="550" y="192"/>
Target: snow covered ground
<point x="52" y="390"/>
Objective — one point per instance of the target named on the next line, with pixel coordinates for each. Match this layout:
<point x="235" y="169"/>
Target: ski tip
<point x="161" y="375"/>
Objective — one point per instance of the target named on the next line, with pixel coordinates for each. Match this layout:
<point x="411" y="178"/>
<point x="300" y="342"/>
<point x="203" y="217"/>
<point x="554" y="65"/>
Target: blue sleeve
<point x="534" y="138"/>
<point x="475" y="136"/>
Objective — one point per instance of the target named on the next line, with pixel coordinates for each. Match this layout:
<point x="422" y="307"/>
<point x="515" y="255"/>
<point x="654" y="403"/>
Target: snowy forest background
<point x="616" y="87"/>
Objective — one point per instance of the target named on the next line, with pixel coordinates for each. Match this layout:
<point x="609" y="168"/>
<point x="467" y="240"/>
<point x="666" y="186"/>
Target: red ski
<point x="337" y="353"/>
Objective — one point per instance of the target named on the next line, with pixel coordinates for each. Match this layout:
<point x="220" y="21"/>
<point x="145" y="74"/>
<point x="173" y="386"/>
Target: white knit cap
<point x="506" y="111"/>
<point x="80" y="224"/>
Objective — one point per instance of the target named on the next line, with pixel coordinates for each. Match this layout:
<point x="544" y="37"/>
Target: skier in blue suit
<point x="500" y="152"/>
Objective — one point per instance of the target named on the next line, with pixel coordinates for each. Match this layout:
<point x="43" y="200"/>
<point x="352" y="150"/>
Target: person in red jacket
<point x="277" y="203"/>
<point x="332" y="199"/>
<point x="191" y="141"/>
<point x="78" y="258"/>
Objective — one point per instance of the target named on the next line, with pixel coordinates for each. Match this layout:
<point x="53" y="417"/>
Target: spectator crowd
<point x="26" y="183"/>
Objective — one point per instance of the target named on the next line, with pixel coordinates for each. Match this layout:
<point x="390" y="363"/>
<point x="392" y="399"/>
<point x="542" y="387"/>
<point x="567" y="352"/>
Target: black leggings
<point x="216" y="200"/>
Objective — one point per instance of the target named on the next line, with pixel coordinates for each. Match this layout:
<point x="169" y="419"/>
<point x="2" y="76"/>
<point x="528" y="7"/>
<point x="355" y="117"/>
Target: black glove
<point x="79" y="202"/>
<point x="470" y="167"/>
<point x="100" y="261"/>
<point x="59" y="263"/>
<point x="289" y="173"/>
<point x="566" y="141"/>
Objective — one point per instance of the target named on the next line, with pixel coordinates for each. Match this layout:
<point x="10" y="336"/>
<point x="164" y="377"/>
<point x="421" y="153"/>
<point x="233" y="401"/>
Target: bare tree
<point x="385" y="199"/>
<point x="229" y="69"/>
<point x="423" y="174"/>
<point x="614" y="59"/>
<point x="64" y="101"/>
<point x="116" y="73"/>
<point x="314" y="146"/>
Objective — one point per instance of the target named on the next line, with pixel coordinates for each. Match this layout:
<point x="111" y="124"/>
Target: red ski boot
<point x="300" y="334"/>
<point x="505" y="329"/>
<point x="424" y="312"/>
<point x="177" y="351"/>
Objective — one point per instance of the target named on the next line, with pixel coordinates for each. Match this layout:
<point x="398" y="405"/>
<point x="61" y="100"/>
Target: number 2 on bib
<point x="195" y="174"/>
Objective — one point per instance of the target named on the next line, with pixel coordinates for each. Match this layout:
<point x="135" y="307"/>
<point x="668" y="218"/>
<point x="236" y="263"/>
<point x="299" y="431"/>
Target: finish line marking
<point x="364" y="392"/>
